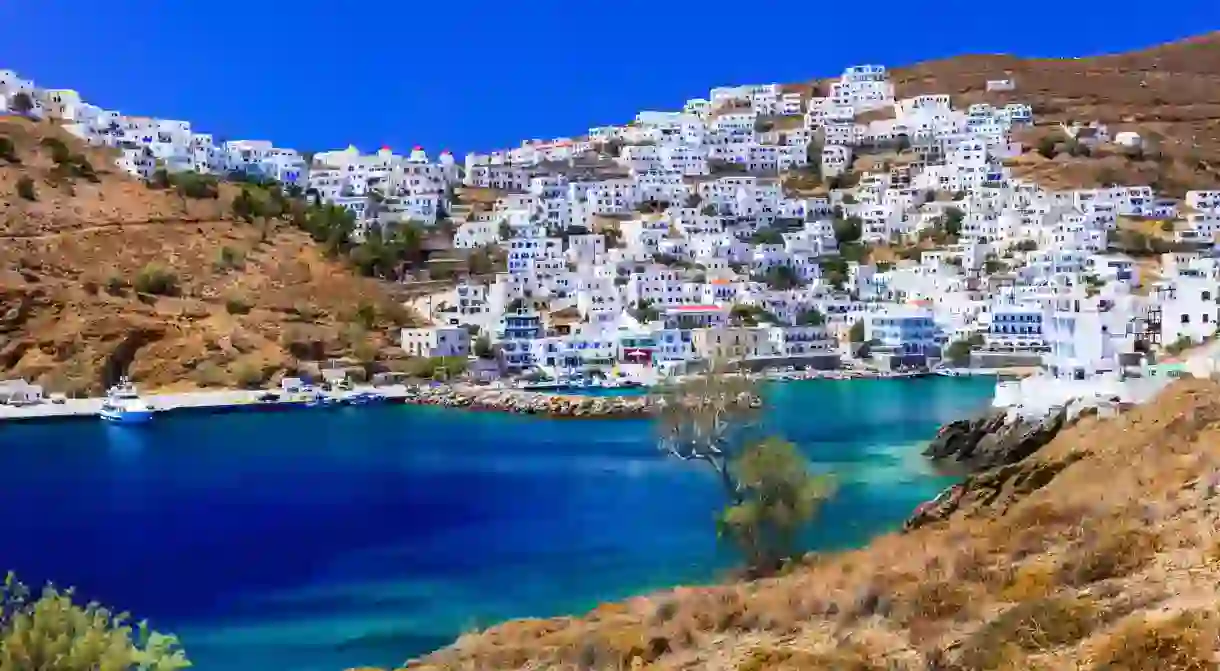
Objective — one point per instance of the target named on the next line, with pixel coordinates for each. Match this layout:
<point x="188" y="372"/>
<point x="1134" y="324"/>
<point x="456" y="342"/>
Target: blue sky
<point x="481" y="74"/>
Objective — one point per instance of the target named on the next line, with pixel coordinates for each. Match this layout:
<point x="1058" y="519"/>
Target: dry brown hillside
<point x="1169" y="93"/>
<point x="1101" y="551"/>
<point x="249" y="301"/>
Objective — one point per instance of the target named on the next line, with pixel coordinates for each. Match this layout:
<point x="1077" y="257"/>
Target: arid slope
<point x="251" y="302"/>
<point x="1169" y="94"/>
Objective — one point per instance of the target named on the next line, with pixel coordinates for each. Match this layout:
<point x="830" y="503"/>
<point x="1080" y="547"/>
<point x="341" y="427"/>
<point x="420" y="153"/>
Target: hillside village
<point x="773" y="225"/>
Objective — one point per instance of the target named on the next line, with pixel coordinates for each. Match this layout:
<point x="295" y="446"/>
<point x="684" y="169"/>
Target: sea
<point x="318" y="540"/>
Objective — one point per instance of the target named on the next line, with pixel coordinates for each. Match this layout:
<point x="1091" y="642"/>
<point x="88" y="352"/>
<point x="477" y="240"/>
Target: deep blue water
<point x="320" y="540"/>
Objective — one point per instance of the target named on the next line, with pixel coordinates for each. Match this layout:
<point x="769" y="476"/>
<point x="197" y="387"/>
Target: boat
<point x="123" y="405"/>
<point x="321" y="400"/>
<point x="363" y="398"/>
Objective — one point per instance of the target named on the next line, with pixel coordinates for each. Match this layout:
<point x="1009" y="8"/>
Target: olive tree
<point x="780" y="496"/>
<point x="716" y="418"/>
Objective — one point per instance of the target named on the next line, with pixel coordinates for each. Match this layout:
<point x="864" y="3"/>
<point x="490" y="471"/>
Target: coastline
<point x="458" y="395"/>
<point x="462" y="396"/>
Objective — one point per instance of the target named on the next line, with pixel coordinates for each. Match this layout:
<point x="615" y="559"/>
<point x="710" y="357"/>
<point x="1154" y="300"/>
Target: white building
<point x="436" y="341"/>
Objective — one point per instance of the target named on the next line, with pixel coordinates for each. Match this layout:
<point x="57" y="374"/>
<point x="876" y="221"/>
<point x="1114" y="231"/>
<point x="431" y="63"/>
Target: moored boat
<point x="123" y="405"/>
<point x="363" y="398"/>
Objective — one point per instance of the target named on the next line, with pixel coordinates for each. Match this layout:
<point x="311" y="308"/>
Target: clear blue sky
<point x="481" y="74"/>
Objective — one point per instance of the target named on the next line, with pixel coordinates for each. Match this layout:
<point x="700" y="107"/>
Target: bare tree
<point x="707" y="418"/>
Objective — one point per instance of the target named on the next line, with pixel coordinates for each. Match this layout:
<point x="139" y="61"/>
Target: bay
<point x="321" y="540"/>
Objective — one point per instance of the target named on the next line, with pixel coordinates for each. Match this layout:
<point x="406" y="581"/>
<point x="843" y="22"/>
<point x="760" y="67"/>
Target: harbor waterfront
<point x="612" y="403"/>
<point x="574" y="402"/>
<point x="307" y="541"/>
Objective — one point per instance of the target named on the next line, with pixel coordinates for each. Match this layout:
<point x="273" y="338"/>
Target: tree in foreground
<point x="780" y="497"/>
<point x="51" y="633"/>
<point x="715" y="418"/>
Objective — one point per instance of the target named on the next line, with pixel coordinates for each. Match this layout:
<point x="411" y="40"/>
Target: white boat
<point x="123" y="405"/>
<point x="363" y="398"/>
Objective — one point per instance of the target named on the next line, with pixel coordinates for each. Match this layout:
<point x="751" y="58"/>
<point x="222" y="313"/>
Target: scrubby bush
<point x="228" y="258"/>
<point x="194" y="185"/>
<point x="52" y="633"/>
<point x="935" y="600"/>
<point x="8" y="151"/>
<point x="208" y="374"/>
<point x="156" y="280"/>
<point x="25" y="188"/>
<point x="1027" y="627"/>
<point x="1181" y="643"/>
<point x="236" y="305"/>
<point x="1034" y="580"/>
<point x="248" y="376"/>
<point x="83" y="168"/>
<point x="115" y="285"/>
<point x="1114" y="555"/>
<point x="365" y="315"/>
<point x="59" y="151"/>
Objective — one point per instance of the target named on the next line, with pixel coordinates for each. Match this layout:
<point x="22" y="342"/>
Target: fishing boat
<point x="123" y="405"/>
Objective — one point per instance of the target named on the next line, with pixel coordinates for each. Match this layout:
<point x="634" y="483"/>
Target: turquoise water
<point x="319" y="540"/>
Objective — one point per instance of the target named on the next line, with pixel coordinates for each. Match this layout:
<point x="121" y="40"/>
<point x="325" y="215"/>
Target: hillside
<point x="1169" y="94"/>
<point x="244" y="302"/>
<point x="1098" y="552"/>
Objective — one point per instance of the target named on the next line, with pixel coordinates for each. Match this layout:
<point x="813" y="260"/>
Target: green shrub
<point x="53" y="633"/>
<point x="8" y="151"/>
<point x="25" y="188"/>
<point x="228" y="258"/>
<point x="195" y="185"/>
<point x="365" y="315"/>
<point x="115" y="285"/>
<point x="208" y="374"/>
<point x="83" y="168"/>
<point x="154" y="279"/>
<point x="59" y="151"/>
<point x="248" y="376"/>
<point x="236" y="305"/>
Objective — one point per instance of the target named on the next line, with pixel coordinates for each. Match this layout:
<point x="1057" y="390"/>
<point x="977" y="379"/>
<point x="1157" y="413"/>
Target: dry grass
<point x="68" y="261"/>
<point x="1027" y="628"/>
<point x="1167" y="93"/>
<point x="1183" y="642"/>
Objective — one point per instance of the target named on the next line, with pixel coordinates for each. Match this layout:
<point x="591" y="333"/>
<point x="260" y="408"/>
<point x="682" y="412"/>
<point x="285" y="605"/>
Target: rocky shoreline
<point x="992" y="449"/>
<point x="996" y="438"/>
<point x="521" y="402"/>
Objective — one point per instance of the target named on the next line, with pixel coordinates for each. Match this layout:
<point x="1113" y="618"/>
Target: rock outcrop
<point x="997" y="438"/>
